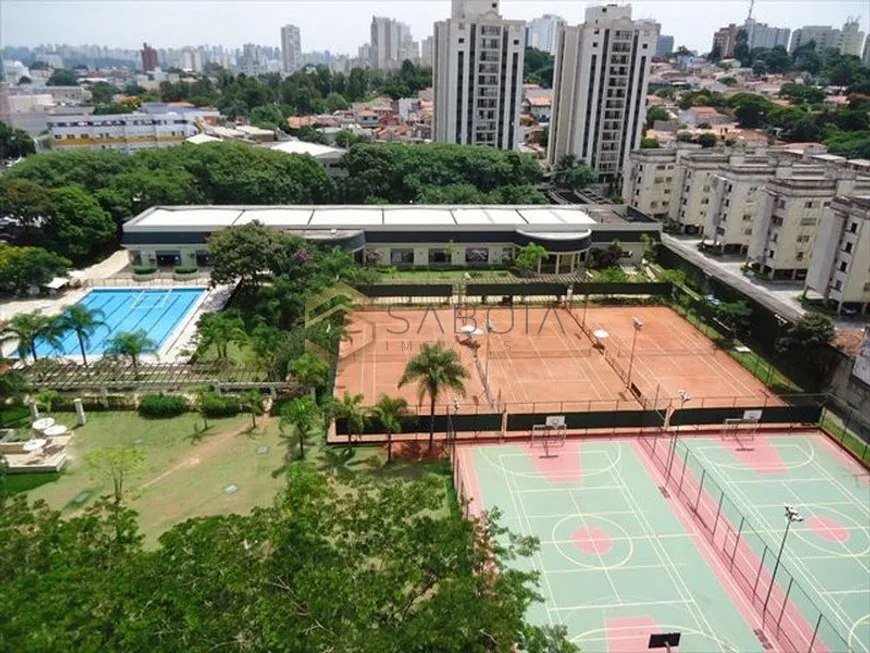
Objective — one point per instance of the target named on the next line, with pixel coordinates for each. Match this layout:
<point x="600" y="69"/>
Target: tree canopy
<point x="62" y="77"/>
<point x="14" y="142"/>
<point x="22" y="267"/>
<point x="538" y="67"/>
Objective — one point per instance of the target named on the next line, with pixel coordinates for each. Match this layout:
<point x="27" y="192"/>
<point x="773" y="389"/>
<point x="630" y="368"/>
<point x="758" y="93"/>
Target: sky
<point x="341" y="26"/>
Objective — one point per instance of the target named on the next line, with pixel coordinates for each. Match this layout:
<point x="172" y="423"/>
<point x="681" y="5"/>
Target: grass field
<point x="190" y="474"/>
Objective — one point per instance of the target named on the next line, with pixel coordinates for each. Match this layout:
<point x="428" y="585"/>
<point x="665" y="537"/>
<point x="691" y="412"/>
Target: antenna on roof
<point x="751" y="7"/>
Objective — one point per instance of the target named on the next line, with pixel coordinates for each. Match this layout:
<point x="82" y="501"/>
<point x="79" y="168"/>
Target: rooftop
<point x="538" y="218"/>
<point x="303" y="147"/>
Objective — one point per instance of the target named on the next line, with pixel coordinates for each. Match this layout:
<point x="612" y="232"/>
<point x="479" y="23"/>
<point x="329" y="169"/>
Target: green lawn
<point x="185" y="474"/>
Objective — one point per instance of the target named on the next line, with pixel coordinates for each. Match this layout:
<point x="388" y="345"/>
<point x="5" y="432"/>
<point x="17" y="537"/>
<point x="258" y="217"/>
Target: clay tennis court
<point x="540" y="360"/>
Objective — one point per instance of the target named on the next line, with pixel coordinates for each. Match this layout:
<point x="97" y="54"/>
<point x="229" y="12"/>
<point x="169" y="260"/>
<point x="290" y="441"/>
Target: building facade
<point x="761" y="35"/>
<point x="865" y="57"/>
<point x="478" y="76"/>
<point x="543" y="32"/>
<point x="150" y="60"/>
<point x="736" y="190"/>
<point x="127" y="132"/>
<point x="664" y="46"/>
<point x="190" y="59"/>
<point x="291" y="48"/>
<point x="840" y="266"/>
<point x="389" y="39"/>
<point x="600" y="85"/>
<point x="850" y="39"/>
<point x="725" y="38"/>
<point x="426" y="48"/>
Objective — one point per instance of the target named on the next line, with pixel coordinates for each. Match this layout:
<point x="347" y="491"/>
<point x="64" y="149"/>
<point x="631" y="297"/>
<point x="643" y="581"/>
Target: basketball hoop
<point x="550" y="435"/>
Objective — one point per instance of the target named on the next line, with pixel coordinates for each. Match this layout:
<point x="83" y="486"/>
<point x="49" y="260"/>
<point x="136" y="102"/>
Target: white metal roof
<point x="538" y="218"/>
<point x="301" y="147"/>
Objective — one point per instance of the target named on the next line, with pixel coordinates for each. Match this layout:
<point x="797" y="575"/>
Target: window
<point x="659" y="180"/>
<point x="477" y="255"/>
<point x="842" y="266"/>
<point x="439" y="256"/>
<point x="838" y="285"/>
<point x="808" y="205"/>
<point x="653" y="204"/>
<point x="808" y="222"/>
<point x="847" y="248"/>
<point x="660" y="167"/>
<point x="747" y="232"/>
<point x="799" y="256"/>
<point x="747" y="217"/>
<point x="667" y="191"/>
<point x="771" y="253"/>
<point x="402" y="256"/>
<point x="461" y="40"/>
<point x="706" y="200"/>
<point x="706" y="189"/>
<point x="853" y="227"/>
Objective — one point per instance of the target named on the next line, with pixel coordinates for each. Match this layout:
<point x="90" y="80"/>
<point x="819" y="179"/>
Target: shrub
<point x="186" y="269"/>
<point x="214" y="405"/>
<point x="162" y="406"/>
<point x="144" y="269"/>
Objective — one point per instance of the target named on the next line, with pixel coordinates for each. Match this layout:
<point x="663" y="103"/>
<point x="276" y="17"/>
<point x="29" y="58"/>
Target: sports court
<point x="633" y="544"/>
<point x="544" y="360"/>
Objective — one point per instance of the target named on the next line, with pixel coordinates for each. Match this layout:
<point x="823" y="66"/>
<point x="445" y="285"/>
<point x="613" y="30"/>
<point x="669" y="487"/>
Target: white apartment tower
<point x="600" y="86"/>
<point x="840" y="266"/>
<point x="478" y="76"/>
<point x="389" y="38"/>
<point x="427" y="46"/>
<point x="291" y="48"/>
<point x="851" y="38"/>
<point x="543" y="33"/>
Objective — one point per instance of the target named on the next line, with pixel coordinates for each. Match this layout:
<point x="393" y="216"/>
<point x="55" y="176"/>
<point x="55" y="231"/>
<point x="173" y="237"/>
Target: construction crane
<point x="751" y="7"/>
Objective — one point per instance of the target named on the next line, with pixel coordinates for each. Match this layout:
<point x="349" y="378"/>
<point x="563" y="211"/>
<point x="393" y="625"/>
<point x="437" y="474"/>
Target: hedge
<point x="214" y="405"/>
<point x="162" y="406"/>
<point x="144" y="269"/>
<point x="186" y="269"/>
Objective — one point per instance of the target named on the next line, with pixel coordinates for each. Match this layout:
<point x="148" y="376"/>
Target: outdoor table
<point x="55" y="430"/>
<point x="43" y="423"/>
<point x="34" y="445"/>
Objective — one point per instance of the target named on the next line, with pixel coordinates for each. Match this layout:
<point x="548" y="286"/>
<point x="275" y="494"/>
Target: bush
<point x="162" y="406"/>
<point x="186" y="269"/>
<point x="214" y="405"/>
<point x="144" y="269"/>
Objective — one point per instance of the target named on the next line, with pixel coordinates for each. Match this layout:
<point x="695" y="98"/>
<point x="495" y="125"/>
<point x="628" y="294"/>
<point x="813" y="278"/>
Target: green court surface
<point x="618" y="561"/>
<point x="826" y="559"/>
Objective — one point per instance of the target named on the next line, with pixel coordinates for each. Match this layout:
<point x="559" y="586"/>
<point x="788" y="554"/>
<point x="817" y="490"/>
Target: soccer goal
<point x="740" y="429"/>
<point x="549" y="437"/>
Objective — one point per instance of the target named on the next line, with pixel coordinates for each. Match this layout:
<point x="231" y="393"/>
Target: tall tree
<point x="299" y="416"/>
<point x="30" y="329"/>
<point x="436" y="369"/>
<point x="242" y="253"/>
<point x="84" y="322"/>
<point x="220" y="330"/>
<point x="14" y="142"/>
<point x="350" y="408"/>
<point x="115" y="464"/>
<point x="77" y="226"/>
<point x="310" y="372"/>
<point x="253" y="401"/>
<point x="389" y="411"/>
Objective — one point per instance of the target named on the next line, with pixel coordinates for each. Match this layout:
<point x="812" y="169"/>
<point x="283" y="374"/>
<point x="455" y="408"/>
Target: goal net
<point x="548" y="437"/>
<point x="739" y="429"/>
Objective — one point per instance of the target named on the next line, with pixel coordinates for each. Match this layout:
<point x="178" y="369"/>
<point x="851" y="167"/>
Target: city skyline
<point x="175" y="25"/>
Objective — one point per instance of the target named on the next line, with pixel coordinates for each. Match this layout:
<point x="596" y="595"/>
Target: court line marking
<point x="674" y="575"/>
<point x="632" y="604"/>
<point x="665" y="627"/>
<point x="797" y="562"/>
<point x="591" y="570"/>
<point x="627" y="538"/>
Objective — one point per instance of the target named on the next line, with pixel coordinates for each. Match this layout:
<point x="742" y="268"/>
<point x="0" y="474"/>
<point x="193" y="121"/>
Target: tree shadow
<point x="17" y="483"/>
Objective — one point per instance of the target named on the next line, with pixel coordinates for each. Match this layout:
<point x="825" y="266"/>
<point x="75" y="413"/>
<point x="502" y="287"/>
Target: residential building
<point x="725" y="38"/>
<point x="824" y="37"/>
<point x="865" y="57"/>
<point x="387" y="38"/>
<point x="426" y="49"/>
<point x="150" y="60"/>
<point x="760" y="35"/>
<point x="600" y="84"/>
<point x="127" y="132"/>
<point x="736" y="189"/>
<point x="291" y="48"/>
<point x="543" y="32"/>
<point x="400" y="236"/>
<point x="650" y="184"/>
<point x="190" y="59"/>
<point x="664" y="46"/>
<point x="478" y="76"/>
<point x="789" y="212"/>
<point x="694" y="180"/>
<point x="5" y="104"/>
<point x="704" y="115"/>
<point x="851" y="38"/>
<point x="840" y="264"/>
<point x="252" y="63"/>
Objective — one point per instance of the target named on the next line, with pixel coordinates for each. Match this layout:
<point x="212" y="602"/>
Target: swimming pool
<point x="156" y="312"/>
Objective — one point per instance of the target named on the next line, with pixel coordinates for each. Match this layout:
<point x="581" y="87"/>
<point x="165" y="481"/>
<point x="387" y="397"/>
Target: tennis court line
<point x="622" y="604"/>
<point x="592" y="570"/>
<point x="627" y="538"/>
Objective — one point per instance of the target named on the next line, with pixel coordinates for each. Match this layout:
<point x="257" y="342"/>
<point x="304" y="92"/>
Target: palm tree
<point x="131" y="344"/>
<point x="299" y="416"/>
<point x="200" y="395"/>
<point x="253" y="400"/>
<point x="389" y="410"/>
<point x="30" y="328"/>
<point x="350" y="408"/>
<point x="83" y="321"/>
<point x="45" y="399"/>
<point x="435" y="369"/>
<point x="221" y="331"/>
<point x="310" y="372"/>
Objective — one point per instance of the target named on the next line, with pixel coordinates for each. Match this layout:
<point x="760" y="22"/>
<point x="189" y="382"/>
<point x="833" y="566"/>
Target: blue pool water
<point x="156" y="312"/>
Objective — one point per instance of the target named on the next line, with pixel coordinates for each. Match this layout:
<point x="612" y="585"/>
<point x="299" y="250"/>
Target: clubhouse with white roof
<point x="400" y="236"/>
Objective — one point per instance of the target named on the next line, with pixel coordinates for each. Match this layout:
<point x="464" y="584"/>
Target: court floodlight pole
<point x="685" y="398"/>
<point x="791" y="516"/>
<point x="638" y="325"/>
<point x="780" y="322"/>
<point x="489" y="328"/>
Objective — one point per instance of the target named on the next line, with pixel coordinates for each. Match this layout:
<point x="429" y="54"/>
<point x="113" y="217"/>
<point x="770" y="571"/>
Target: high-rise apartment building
<point x="600" y="84"/>
<point x="865" y="57"/>
<point x="426" y="48"/>
<point x="725" y="38"/>
<point x="847" y="40"/>
<point x="190" y="59"/>
<point x="150" y="60"/>
<point x="291" y="48"/>
<point x="543" y="33"/>
<point x="664" y="46"/>
<point x="478" y="76"/>
<point x="389" y="39"/>
<point x="850" y="39"/>
<point x="760" y="35"/>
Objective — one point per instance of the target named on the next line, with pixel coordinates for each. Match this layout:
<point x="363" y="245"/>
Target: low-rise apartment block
<point x="648" y="184"/>
<point x="788" y="215"/>
<point x="736" y="189"/>
<point x="694" y="180"/>
<point x="840" y="267"/>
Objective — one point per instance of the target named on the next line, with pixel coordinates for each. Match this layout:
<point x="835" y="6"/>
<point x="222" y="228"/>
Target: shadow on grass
<point x="17" y="483"/>
<point x="80" y="500"/>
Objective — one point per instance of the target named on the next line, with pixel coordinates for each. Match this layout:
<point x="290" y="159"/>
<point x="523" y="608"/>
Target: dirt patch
<point x="418" y="451"/>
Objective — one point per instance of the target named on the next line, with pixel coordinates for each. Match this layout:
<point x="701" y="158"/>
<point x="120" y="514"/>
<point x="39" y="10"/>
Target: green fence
<point x="407" y="290"/>
<point x="768" y="415"/>
<point x="591" y="420"/>
<point x="643" y="288"/>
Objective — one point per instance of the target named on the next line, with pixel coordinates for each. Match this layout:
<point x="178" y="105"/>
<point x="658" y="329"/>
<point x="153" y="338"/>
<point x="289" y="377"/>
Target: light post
<point x="685" y="398"/>
<point x="490" y="327"/>
<point x="780" y="322"/>
<point x="638" y="325"/>
<point x="451" y="426"/>
<point x="791" y="516"/>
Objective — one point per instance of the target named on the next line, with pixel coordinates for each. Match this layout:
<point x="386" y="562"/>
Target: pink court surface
<point x="541" y="359"/>
<point x="628" y="549"/>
